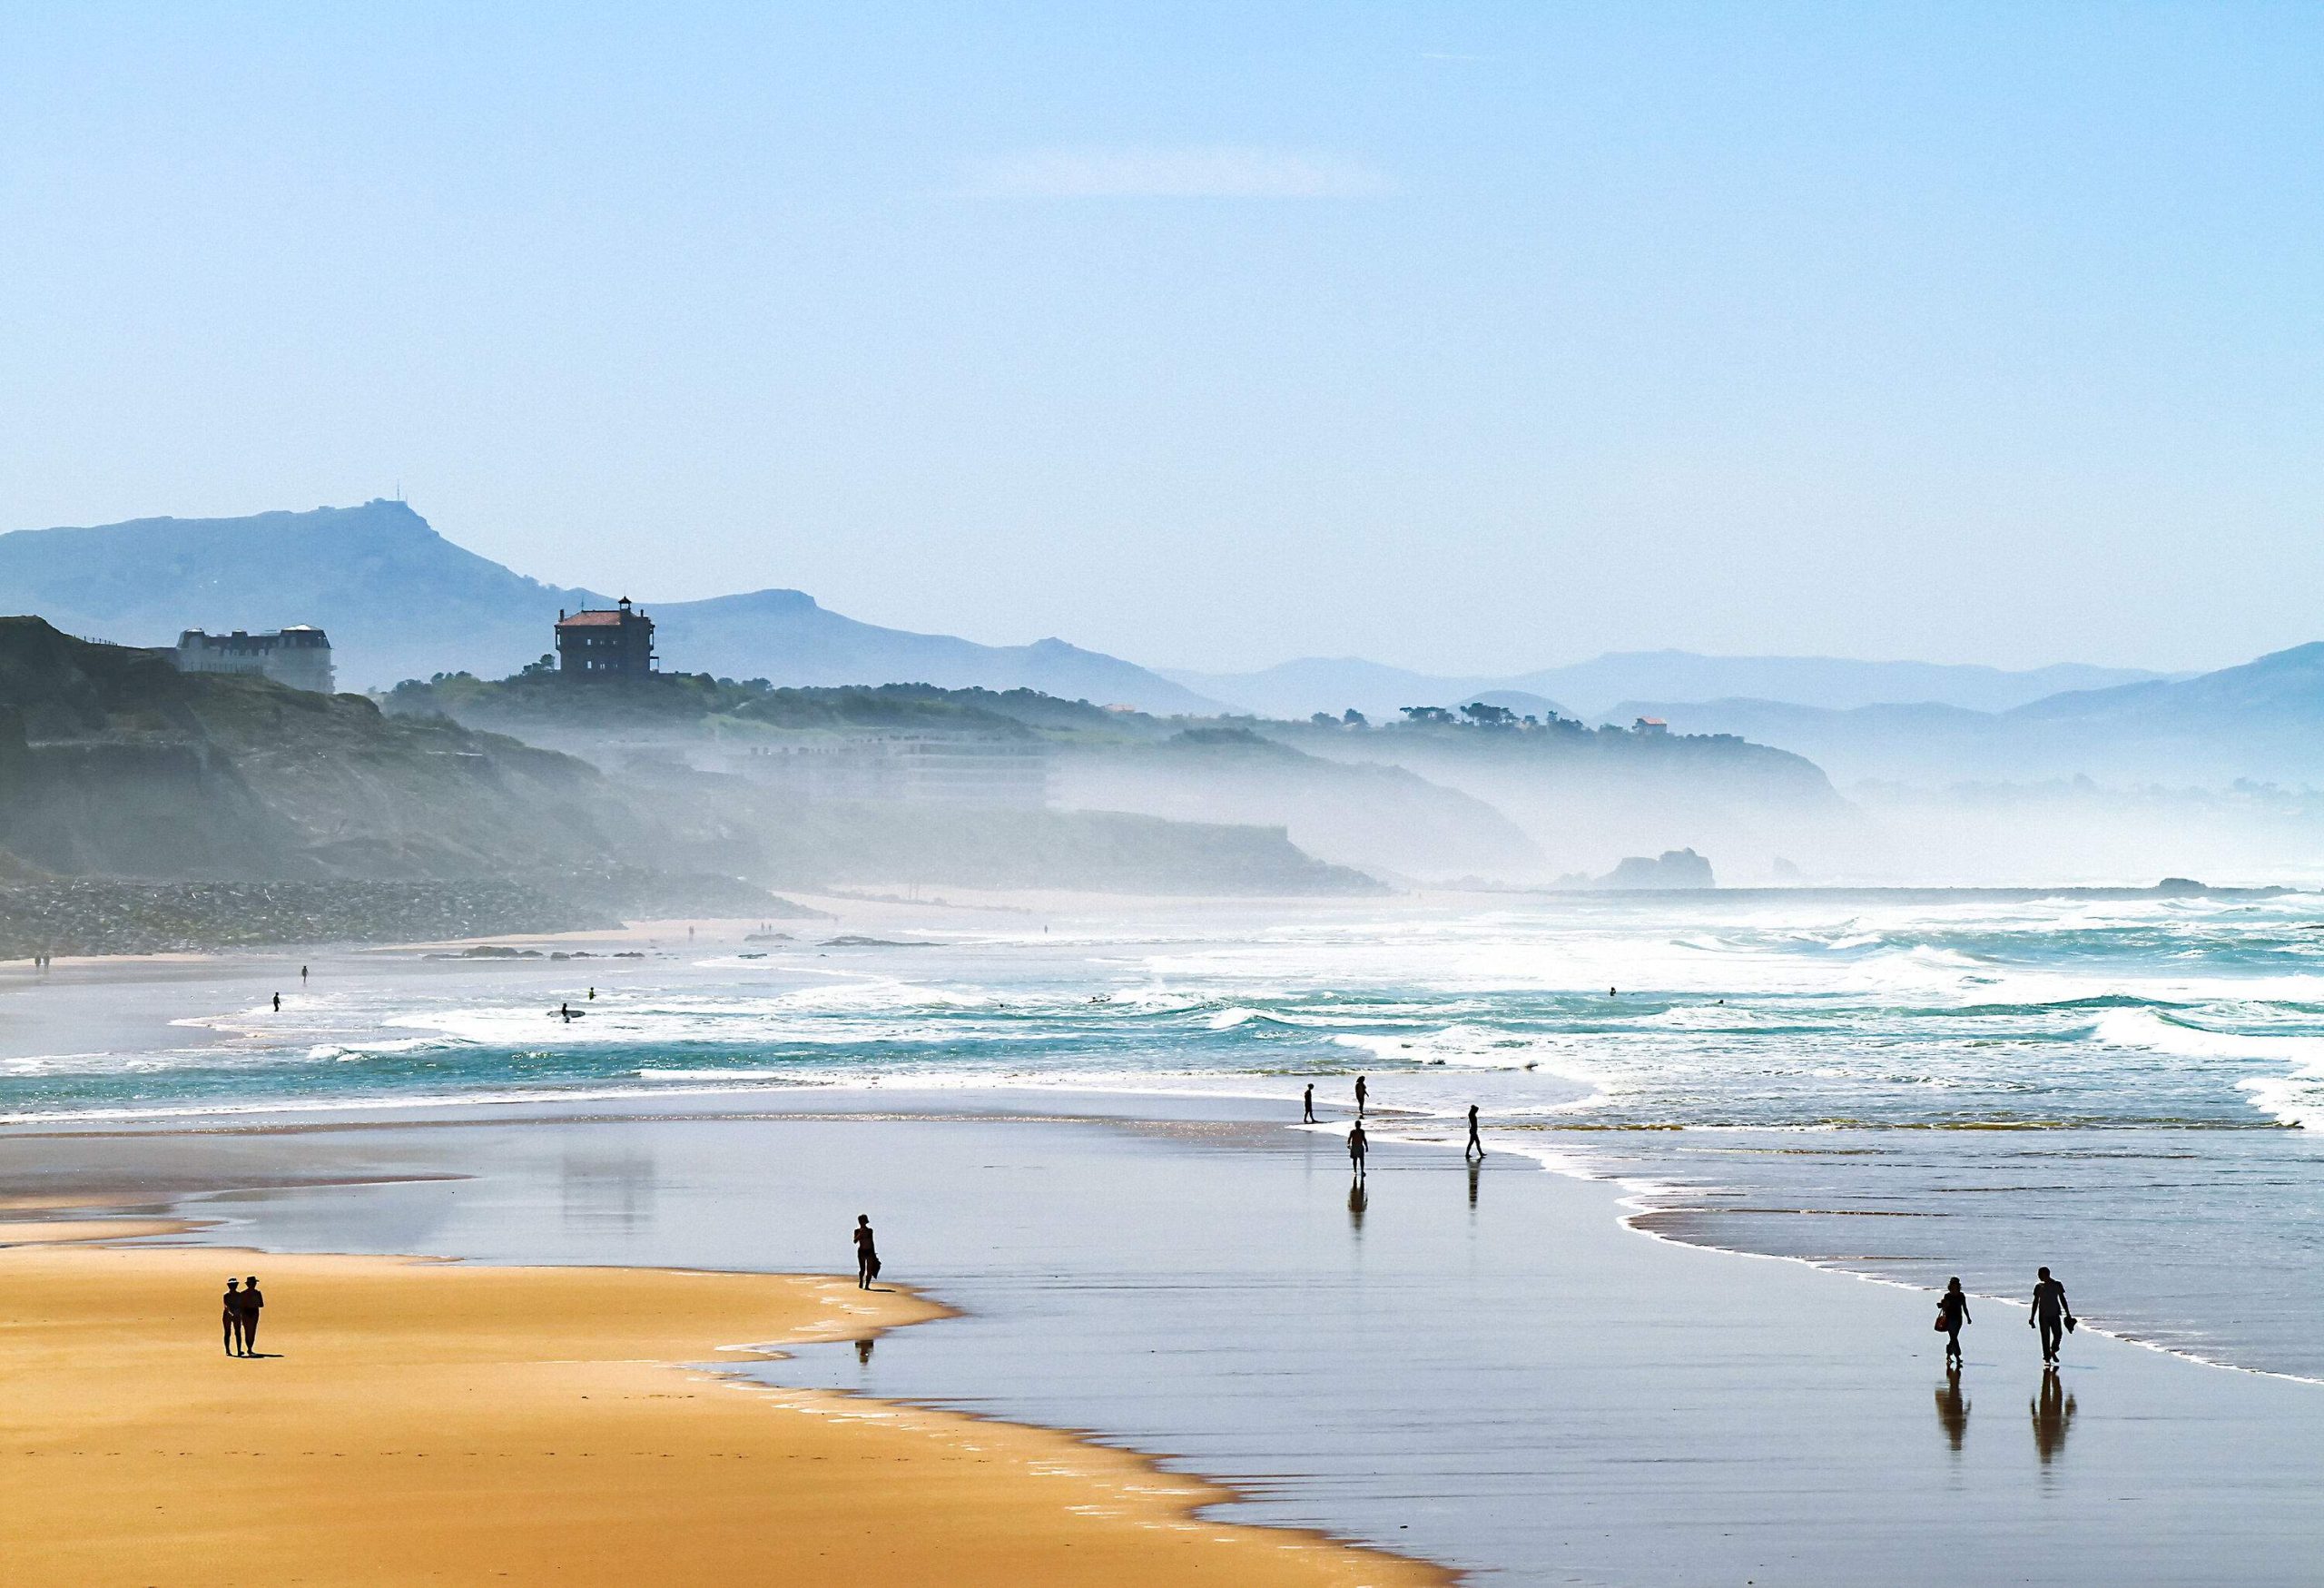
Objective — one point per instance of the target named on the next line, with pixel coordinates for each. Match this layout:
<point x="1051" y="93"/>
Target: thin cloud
<point x="1221" y="172"/>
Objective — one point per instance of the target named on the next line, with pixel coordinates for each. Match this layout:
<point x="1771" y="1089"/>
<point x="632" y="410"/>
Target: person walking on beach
<point x="278" y="1004"/>
<point x="1307" y="1105"/>
<point x="2052" y="1315"/>
<point x="1356" y="1148"/>
<point x="1952" y="1312"/>
<point x="1362" y="1091"/>
<point x="250" y="1301"/>
<point x="229" y="1317"/>
<point x="867" y="1253"/>
<point x="1476" y="1144"/>
<point x="303" y="975"/>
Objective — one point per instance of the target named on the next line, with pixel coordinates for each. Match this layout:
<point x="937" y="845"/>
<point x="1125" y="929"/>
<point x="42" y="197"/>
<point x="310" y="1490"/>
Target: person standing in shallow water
<point x="229" y="1317"/>
<point x="1356" y="1148"/>
<point x="2052" y="1315"/>
<point x="1953" y="1312"/>
<point x="1476" y="1144"/>
<point x="1362" y="1091"/>
<point x="867" y="1253"/>
<point x="1307" y="1105"/>
<point x="251" y="1301"/>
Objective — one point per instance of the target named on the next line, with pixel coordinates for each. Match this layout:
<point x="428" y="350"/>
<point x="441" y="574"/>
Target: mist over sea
<point x="2127" y="1092"/>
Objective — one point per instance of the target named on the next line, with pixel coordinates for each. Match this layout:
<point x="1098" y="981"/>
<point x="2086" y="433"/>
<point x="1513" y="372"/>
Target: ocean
<point x="1909" y="1088"/>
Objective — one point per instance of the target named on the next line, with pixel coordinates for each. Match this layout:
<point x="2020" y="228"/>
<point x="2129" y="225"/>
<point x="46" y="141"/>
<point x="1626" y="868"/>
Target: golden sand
<point x="441" y="1423"/>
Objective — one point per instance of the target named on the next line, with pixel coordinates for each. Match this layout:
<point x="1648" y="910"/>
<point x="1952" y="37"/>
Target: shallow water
<point x="2123" y="1090"/>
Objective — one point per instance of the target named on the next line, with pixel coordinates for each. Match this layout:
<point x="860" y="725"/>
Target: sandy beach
<point x="423" y="1421"/>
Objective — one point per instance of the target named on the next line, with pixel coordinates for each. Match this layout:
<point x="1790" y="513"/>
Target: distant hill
<point x="2262" y="720"/>
<point x="401" y="602"/>
<point x="1599" y="689"/>
<point x="782" y="635"/>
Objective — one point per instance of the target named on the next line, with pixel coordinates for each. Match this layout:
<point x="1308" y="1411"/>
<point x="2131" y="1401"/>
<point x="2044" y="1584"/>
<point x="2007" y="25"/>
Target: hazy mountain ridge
<point x="2261" y="722"/>
<point x="1602" y="688"/>
<point x="401" y="601"/>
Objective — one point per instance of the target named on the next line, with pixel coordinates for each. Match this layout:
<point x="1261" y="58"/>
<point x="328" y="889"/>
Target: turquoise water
<point x="2123" y="1090"/>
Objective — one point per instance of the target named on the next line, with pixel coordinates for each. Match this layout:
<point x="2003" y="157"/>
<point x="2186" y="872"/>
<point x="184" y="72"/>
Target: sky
<point x="1467" y="338"/>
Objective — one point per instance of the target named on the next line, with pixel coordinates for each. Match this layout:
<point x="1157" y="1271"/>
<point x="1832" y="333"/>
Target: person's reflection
<point x="863" y="1351"/>
<point x="2052" y="1411"/>
<point x="1475" y="1168"/>
<point x="1953" y="1407"/>
<point x="1357" y="1203"/>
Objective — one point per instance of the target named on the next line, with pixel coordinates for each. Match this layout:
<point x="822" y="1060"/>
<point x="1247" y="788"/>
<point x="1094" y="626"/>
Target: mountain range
<point x="2261" y="722"/>
<point x="400" y="601"/>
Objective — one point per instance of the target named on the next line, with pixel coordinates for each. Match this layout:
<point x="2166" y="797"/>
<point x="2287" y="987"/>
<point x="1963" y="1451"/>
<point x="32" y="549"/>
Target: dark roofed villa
<point x="616" y="644"/>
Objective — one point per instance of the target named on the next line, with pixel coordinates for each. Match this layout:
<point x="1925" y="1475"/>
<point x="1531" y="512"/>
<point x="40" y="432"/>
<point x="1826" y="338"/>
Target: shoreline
<point x="505" y="1356"/>
<point x="285" y="1117"/>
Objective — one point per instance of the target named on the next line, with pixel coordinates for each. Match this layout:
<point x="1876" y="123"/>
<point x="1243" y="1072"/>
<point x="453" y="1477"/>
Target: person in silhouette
<point x="1953" y="1407"/>
<point x="278" y="1004"/>
<point x="1952" y="1314"/>
<point x="229" y="1317"/>
<point x="565" y="1010"/>
<point x="1356" y="1148"/>
<point x="251" y="1302"/>
<point x="593" y="995"/>
<point x="2052" y="1315"/>
<point x="1475" y="1145"/>
<point x="1362" y="1091"/>
<point x="2053" y="1411"/>
<point x="303" y="975"/>
<point x="1307" y="1105"/>
<point x="867" y="1253"/>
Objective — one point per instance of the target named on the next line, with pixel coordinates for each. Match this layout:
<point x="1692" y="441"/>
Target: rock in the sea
<point x="1674" y="868"/>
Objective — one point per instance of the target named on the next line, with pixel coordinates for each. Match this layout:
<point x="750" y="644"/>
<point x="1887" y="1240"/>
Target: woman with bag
<point x="1952" y="1314"/>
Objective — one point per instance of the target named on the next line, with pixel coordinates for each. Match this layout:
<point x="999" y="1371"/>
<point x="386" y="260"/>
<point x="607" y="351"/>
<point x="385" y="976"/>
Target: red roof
<point x="595" y="620"/>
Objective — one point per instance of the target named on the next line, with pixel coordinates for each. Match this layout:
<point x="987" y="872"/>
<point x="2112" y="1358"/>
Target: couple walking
<point x="239" y="1317"/>
<point x="2052" y="1315"/>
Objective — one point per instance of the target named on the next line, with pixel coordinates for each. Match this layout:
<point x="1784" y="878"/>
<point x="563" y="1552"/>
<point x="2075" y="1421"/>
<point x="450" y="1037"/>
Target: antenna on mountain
<point x="398" y="490"/>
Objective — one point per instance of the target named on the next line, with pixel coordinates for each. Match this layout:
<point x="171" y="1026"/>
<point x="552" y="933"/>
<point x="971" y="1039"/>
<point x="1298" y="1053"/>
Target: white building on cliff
<point x="299" y="656"/>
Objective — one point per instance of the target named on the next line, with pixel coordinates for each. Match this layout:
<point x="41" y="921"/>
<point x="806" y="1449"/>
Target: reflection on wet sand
<point x="2052" y="1411"/>
<point x="1475" y="1169"/>
<point x="863" y="1351"/>
<point x="1357" y="1203"/>
<point x="1953" y="1408"/>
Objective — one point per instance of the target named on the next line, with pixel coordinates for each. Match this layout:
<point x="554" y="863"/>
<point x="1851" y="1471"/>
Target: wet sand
<point x="416" y="1421"/>
<point x="1489" y="1372"/>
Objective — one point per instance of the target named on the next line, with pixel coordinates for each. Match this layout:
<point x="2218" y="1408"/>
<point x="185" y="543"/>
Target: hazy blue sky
<point x="1470" y="336"/>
